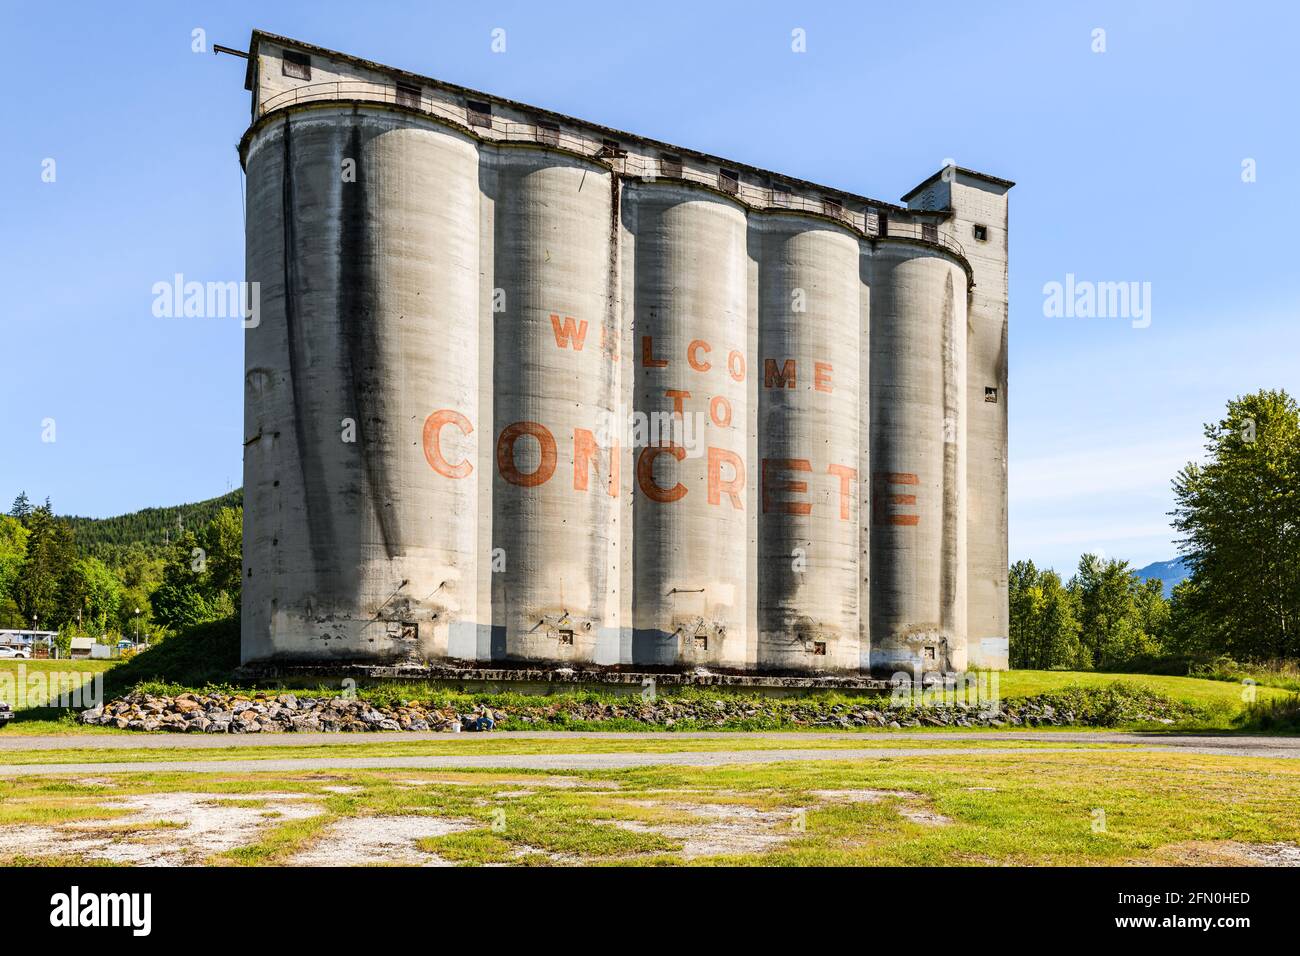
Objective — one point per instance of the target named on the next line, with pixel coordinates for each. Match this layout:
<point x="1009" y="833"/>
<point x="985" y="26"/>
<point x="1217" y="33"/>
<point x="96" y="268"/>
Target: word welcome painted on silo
<point x="782" y="480"/>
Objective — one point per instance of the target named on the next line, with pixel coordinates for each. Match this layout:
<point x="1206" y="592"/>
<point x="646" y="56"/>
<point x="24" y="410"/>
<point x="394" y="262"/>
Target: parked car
<point x="12" y="652"/>
<point x="6" y="713"/>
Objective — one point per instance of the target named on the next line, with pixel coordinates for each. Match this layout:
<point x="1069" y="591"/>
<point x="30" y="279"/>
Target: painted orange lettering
<point x="506" y="454"/>
<point x="647" y="354"/>
<point x="692" y="361"/>
<point x="645" y="473"/>
<point x="720" y="411"/>
<point x="569" y="332"/>
<point x="822" y="376"/>
<point x="881" y="499"/>
<point x="846" y="476"/>
<point x="732" y="488"/>
<point x="678" y="397"/>
<point x="774" y="379"/>
<point x="433" y="450"/>
<point x="773" y="465"/>
<point x="736" y="365"/>
<point x="584" y="450"/>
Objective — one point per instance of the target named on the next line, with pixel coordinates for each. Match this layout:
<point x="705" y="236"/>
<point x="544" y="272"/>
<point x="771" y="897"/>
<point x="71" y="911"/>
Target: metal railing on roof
<point x="872" y="222"/>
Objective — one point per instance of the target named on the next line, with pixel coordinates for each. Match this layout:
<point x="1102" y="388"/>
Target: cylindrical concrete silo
<point x="691" y="514"/>
<point x="918" y="482"/>
<point x="808" y="445"/>
<point x="554" y="494"/>
<point x="363" y="235"/>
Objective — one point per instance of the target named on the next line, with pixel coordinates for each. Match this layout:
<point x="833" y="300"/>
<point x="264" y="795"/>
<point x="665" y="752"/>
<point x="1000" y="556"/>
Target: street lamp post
<point x="137" y="626"/>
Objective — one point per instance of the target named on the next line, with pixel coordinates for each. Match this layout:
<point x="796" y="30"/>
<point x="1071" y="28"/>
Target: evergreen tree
<point x="48" y="561"/>
<point x="1239" y="514"/>
<point x="22" y="507"/>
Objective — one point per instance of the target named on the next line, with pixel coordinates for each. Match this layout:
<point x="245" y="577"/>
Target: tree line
<point x="56" y="577"/>
<point x="1238" y="514"/>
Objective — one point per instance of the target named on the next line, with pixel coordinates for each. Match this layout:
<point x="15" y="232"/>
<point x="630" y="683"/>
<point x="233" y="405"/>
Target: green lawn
<point x="1194" y="690"/>
<point x="1093" y="806"/>
<point x="77" y="666"/>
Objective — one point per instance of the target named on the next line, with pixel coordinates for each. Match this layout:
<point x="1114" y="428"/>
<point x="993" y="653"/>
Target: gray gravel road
<point x="1243" y="746"/>
<point x="128" y="741"/>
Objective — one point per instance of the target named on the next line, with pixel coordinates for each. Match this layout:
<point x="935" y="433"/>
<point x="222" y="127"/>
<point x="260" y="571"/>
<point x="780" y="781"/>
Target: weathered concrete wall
<point x="918" y="460"/>
<point x="352" y="551"/>
<point x="976" y="203"/>
<point x="810" y="292"/>
<point x="468" y="348"/>
<point x="554" y="504"/>
<point x="691" y="514"/>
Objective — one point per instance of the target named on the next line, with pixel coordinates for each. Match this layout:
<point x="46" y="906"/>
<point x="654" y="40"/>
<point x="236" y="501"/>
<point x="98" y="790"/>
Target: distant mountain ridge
<point x="1169" y="573"/>
<point x="150" y="527"/>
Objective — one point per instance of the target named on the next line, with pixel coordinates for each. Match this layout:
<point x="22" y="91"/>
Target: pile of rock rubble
<point x="279" y="713"/>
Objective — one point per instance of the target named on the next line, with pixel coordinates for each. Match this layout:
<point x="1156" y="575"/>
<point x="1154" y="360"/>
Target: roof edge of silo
<point x="961" y="170"/>
<point x="260" y="36"/>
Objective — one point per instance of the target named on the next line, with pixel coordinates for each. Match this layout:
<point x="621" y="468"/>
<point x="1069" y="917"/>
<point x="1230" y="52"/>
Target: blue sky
<point x="1128" y="165"/>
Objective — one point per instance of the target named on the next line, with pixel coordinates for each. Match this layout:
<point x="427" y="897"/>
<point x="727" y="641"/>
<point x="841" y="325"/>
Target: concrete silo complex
<point x="525" y="390"/>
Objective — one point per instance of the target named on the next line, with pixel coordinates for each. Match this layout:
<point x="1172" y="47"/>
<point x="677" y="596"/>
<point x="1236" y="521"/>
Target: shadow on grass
<point x="204" y="654"/>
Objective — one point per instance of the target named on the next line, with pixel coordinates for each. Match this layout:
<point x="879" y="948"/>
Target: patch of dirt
<point x="204" y="827"/>
<point x="862" y="796"/>
<point x="725" y="830"/>
<point x="923" y="816"/>
<point x="910" y="805"/>
<point x="1226" y="853"/>
<point x="362" y="841"/>
<point x="566" y="783"/>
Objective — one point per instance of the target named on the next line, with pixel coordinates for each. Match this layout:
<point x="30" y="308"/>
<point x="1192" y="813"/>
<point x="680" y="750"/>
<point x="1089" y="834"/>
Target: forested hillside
<point x="154" y="528"/>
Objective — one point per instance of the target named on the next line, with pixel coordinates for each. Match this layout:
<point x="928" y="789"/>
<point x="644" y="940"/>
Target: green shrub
<point x="1278" y="714"/>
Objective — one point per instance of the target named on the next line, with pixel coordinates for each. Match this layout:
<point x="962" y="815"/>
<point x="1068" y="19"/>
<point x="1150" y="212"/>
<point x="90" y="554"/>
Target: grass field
<point x="1193" y="690"/>
<point x="1081" y="807"/>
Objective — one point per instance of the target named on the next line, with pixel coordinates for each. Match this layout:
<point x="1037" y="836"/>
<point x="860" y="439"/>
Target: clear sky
<point x="1128" y="164"/>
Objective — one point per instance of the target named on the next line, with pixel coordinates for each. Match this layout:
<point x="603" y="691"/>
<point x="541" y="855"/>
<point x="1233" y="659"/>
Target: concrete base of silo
<point x="541" y="680"/>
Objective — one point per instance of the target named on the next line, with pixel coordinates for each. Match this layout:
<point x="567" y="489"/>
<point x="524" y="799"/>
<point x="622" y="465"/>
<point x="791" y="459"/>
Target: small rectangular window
<point x="819" y="648"/>
<point x="564" y="637"/>
<point x="408" y="95"/>
<point x="670" y="166"/>
<point x="929" y="232"/>
<point x="981" y="232"/>
<point x="479" y="113"/>
<point x="548" y="133"/>
<point x="701" y="642"/>
<point x="611" y="149"/>
<point x="729" y="181"/>
<point x="295" y="64"/>
<point x="929" y="653"/>
<point x="882" y="223"/>
<point x="832" y="207"/>
<point x="990" y="394"/>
